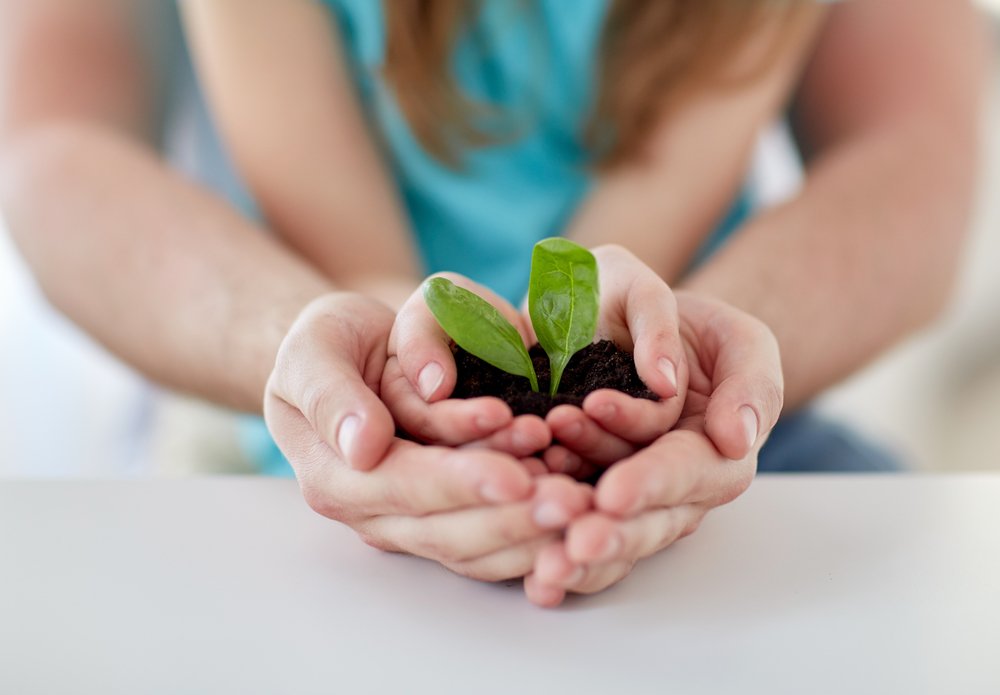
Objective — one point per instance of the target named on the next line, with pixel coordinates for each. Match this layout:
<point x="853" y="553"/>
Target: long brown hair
<point x="652" y="54"/>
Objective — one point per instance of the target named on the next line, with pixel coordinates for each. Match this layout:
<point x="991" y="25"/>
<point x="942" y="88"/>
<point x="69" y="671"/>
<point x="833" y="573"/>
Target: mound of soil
<point x="602" y="365"/>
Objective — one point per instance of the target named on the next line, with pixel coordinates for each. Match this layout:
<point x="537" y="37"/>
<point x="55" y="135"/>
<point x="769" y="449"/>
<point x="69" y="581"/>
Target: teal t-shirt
<point x="537" y="62"/>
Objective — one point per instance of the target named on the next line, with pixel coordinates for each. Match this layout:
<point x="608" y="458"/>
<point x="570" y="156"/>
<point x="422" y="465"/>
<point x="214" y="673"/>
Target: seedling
<point x="563" y="299"/>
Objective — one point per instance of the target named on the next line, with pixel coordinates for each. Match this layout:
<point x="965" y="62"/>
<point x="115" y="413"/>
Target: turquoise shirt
<point x="483" y="218"/>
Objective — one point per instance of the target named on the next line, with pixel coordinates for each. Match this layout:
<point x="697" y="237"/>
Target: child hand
<point x="420" y="375"/>
<point x="638" y="313"/>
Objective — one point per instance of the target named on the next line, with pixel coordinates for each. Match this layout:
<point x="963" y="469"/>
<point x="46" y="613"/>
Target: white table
<point x="804" y="585"/>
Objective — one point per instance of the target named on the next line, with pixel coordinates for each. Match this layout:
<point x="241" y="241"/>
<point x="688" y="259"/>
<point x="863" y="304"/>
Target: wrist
<point x="391" y="290"/>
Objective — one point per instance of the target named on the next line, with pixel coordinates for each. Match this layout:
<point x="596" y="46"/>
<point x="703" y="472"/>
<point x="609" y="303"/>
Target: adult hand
<point x="478" y="512"/>
<point x="660" y="494"/>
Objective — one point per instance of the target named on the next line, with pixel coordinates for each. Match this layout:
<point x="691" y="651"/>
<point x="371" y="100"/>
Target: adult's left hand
<point x="659" y="494"/>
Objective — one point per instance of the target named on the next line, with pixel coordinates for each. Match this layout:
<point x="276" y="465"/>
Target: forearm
<point x="166" y="276"/>
<point x="275" y="78"/>
<point x="866" y="254"/>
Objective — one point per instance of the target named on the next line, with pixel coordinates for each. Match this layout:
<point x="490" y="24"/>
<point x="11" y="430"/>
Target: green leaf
<point x="479" y="328"/>
<point x="563" y="300"/>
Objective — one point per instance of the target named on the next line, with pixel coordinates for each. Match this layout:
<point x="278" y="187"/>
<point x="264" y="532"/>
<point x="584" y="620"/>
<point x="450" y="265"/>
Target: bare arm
<point x="662" y="206"/>
<point x="165" y="275"/>
<point x="276" y="79"/>
<point x="868" y="251"/>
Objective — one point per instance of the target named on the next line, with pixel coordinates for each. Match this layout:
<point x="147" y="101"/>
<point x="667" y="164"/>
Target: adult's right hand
<point x="478" y="512"/>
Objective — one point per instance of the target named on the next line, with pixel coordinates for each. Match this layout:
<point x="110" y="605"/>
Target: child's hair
<point x="652" y="53"/>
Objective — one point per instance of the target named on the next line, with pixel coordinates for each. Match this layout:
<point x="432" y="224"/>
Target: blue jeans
<point x="804" y="442"/>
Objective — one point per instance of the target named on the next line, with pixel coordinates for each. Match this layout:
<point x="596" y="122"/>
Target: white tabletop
<point x="803" y="585"/>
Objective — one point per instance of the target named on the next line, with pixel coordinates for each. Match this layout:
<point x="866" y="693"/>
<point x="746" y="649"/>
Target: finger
<point x="748" y="392"/>
<point x="632" y="420"/>
<point x="525" y="435"/>
<point x="424" y="349"/>
<point x="553" y="567"/>
<point x="414" y="480"/>
<point x="555" y="571"/>
<point x="509" y="563"/>
<point x="682" y="467"/>
<point x="467" y="534"/>
<point x="544" y="595"/>
<point x="641" y="313"/>
<point x="450" y="422"/>
<point x="745" y="369"/>
<point x="596" y="538"/>
<point x="577" y="432"/>
<point x="330" y="376"/>
<point x="534" y="466"/>
<point x="559" y="459"/>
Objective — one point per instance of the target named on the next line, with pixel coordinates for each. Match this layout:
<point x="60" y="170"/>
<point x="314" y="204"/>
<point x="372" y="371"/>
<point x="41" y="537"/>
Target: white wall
<point x="66" y="406"/>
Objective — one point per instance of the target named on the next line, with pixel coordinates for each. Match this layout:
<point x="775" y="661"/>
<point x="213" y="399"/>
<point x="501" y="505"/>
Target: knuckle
<point x="770" y="397"/>
<point x="662" y="337"/>
<point x="740" y="481"/>
<point x="437" y="549"/>
<point x="421" y="426"/>
<point x="693" y="525"/>
<point x="321" y="502"/>
<point x="613" y="252"/>
<point x="396" y="499"/>
<point x="472" y="571"/>
<point x="315" y="397"/>
<point x="376" y="542"/>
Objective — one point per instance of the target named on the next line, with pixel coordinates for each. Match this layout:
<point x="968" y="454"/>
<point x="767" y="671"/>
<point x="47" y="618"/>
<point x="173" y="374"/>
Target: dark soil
<point x="602" y="365"/>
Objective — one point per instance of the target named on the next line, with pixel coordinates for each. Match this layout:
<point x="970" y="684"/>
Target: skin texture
<point x="199" y="299"/>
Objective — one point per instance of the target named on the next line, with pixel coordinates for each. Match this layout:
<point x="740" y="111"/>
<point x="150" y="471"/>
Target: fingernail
<point x="750" y="425"/>
<point x="550" y="515"/>
<point x="612" y="547"/>
<point x="669" y="372"/>
<point x="429" y="379"/>
<point x="346" y="434"/>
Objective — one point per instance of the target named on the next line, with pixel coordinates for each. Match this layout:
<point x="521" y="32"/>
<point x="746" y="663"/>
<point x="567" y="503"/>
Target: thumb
<point x="424" y="349"/>
<point x="328" y="368"/>
<point x="747" y="390"/>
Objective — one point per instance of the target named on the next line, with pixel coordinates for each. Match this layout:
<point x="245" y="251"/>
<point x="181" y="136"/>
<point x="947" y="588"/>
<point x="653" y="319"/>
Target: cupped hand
<point x="478" y="512"/>
<point x="637" y="312"/>
<point x="661" y="493"/>
<point x="420" y="376"/>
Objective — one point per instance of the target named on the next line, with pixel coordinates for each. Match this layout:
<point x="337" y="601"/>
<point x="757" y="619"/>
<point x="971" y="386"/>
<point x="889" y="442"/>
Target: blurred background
<point x="934" y="399"/>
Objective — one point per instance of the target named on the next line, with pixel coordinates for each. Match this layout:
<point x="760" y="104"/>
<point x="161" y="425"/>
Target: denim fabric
<point x="805" y="442"/>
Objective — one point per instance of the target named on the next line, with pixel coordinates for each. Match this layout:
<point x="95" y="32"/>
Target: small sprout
<point x="479" y="328"/>
<point x="563" y="302"/>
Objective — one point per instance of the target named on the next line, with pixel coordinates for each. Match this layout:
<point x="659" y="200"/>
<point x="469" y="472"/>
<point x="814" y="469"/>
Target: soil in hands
<point x="601" y="365"/>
